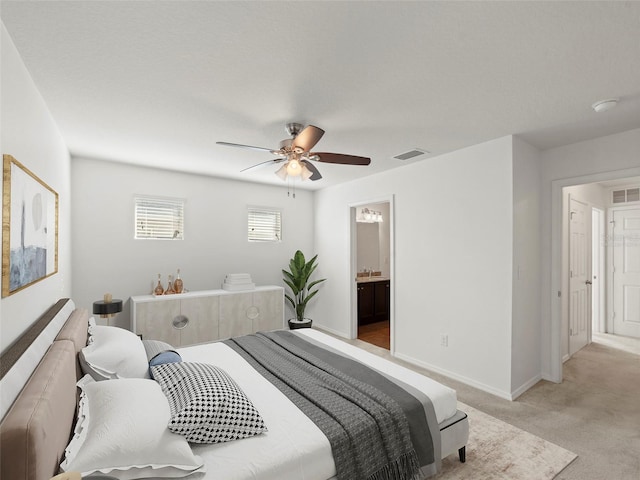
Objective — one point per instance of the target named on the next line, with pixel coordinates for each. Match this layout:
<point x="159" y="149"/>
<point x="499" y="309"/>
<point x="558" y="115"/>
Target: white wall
<point x="525" y="354"/>
<point x="453" y="265"/>
<point x="593" y="194"/>
<point x="30" y="135"/>
<point x="604" y="158"/>
<point x="108" y="259"/>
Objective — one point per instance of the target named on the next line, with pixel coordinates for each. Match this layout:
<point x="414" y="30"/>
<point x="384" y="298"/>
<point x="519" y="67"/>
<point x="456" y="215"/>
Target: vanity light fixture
<point x="369" y="216"/>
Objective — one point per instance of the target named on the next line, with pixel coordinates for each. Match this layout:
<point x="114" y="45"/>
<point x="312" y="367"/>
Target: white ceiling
<point x="158" y="83"/>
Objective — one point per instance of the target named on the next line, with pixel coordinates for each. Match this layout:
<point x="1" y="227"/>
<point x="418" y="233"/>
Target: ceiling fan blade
<point x="239" y="145"/>
<point x="308" y="137"/>
<point x="312" y="168"/>
<point x="275" y="160"/>
<point x="341" y="158"/>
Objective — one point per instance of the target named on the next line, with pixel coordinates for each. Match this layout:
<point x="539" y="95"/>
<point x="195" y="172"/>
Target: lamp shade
<point x="282" y="172"/>
<point x="294" y="168"/>
<point x="107" y="308"/>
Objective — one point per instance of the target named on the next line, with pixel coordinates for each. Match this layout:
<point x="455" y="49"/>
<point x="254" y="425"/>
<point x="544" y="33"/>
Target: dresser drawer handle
<point x="253" y="313"/>
<point x="180" y="322"/>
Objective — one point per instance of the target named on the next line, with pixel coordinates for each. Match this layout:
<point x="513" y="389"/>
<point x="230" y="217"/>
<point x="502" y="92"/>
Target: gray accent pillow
<point x="206" y="405"/>
<point x="159" y="352"/>
<point x="154" y="347"/>
<point x="163" y="357"/>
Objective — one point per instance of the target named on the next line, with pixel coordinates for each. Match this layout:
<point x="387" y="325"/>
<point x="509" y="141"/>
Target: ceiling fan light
<point x="294" y="168"/>
<point x="282" y="172"/>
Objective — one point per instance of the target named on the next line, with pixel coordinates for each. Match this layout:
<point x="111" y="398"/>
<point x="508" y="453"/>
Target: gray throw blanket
<point x="368" y="431"/>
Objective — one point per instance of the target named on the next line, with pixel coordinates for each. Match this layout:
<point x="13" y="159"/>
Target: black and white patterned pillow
<point x="207" y="406"/>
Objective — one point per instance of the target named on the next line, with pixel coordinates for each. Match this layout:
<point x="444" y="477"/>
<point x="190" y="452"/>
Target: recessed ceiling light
<point x="604" y="105"/>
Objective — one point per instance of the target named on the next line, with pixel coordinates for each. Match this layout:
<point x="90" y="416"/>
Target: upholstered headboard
<point x="38" y="425"/>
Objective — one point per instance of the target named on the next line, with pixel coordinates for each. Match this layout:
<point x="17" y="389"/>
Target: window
<point x="264" y="225"/>
<point x="159" y="218"/>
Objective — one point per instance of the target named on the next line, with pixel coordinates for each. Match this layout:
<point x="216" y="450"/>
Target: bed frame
<point x="37" y="428"/>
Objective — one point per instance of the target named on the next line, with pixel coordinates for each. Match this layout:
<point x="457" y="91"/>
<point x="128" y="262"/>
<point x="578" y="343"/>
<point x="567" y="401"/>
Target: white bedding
<point x="293" y="447"/>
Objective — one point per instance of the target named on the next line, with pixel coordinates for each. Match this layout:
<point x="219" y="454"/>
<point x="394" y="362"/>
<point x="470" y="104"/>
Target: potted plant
<point x="297" y="278"/>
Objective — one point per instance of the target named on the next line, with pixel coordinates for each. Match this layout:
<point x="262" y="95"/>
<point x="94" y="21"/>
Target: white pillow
<point x="122" y="431"/>
<point x="114" y="353"/>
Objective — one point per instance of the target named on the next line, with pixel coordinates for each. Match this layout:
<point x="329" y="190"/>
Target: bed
<point x="42" y="421"/>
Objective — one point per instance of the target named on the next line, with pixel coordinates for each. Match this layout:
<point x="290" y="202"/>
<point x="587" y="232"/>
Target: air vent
<point x="619" y="196"/>
<point x="625" y="196"/>
<point x="633" y="194"/>
<point x="416" y="152"/>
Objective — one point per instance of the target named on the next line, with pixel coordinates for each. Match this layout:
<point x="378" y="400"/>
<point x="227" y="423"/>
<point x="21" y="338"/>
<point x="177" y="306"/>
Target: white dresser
<point x="196" y="317"/>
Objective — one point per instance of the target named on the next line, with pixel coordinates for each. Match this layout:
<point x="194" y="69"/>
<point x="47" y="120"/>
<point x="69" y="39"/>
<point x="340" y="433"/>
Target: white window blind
<point x="159" y="218"/>
<point x="264" y="224"/>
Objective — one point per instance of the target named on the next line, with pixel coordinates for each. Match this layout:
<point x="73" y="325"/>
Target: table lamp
<point x="107" y="307"/>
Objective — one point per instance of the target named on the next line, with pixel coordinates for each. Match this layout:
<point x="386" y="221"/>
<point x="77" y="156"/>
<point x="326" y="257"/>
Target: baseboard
<point x="455" y="376"/>
<point x="337" y="333"/>
<point x="525" y="386"/>
<point x="566" y="357"/>
<point x="461" y="378"/>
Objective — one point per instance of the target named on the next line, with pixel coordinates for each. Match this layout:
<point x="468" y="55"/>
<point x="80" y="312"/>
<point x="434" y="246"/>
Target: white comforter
<point x="293" y="448"/>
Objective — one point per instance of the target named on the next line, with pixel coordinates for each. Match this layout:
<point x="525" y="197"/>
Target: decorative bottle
<point x="169" y="290"/>
<point x="159" y="290"/>
<point x="178" y="286"/>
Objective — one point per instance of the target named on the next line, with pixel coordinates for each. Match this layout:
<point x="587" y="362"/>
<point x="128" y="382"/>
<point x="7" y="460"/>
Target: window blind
<point x="159" y="218"/>
<point x="264" y="225"/>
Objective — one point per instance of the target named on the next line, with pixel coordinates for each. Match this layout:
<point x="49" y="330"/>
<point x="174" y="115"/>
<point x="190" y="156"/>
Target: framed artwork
<point x="29" y="227"/>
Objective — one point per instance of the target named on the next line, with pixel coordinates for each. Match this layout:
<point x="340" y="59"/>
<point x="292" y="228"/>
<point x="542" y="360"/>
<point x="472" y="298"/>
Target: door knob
<point x="588" y="282"/>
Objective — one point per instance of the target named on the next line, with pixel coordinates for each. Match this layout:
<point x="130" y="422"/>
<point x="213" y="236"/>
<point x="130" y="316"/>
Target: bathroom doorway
<point x="372" y="266"/>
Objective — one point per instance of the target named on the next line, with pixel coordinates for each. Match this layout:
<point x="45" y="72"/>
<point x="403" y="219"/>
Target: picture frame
<point x="29" y="228"/>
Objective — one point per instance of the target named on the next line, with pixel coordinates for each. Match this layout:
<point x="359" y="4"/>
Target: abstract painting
<point x="29" y="228"/>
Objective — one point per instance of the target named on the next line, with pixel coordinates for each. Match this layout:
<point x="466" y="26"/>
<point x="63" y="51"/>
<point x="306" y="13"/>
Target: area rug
<point x="497" y="450"/>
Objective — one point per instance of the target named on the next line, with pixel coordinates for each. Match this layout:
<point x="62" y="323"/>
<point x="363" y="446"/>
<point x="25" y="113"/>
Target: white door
<point x="626" y="272"/>
<point x="579" y="274"/>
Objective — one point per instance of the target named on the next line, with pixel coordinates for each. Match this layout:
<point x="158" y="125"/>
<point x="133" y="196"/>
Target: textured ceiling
<point x="158" y="83"/>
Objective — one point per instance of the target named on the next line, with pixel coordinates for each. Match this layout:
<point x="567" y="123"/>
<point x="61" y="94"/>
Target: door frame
<point x="353" y="270"/>
<point x="598" y="271"/>
<point x="553" y="369"/>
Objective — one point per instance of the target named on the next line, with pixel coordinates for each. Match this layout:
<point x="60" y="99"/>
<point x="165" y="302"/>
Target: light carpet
<point x="497" y="450"/>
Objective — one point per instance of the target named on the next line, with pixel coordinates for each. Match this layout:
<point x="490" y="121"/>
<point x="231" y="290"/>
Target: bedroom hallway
<point x="594" y="412"/>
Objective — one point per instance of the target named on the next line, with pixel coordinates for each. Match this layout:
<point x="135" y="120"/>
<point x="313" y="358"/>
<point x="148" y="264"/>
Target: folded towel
<point x="238" y="287"/>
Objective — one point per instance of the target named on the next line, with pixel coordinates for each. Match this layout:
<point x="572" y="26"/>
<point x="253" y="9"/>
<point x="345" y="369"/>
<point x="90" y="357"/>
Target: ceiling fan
<point x="296" y="154"/>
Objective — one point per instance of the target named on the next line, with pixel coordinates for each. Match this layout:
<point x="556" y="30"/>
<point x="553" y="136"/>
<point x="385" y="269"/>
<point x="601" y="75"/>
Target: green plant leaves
<point x="297" y="279"/>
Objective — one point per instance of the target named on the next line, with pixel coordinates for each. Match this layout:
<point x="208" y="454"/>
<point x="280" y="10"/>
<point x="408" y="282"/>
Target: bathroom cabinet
<point x="373" y="301"/>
